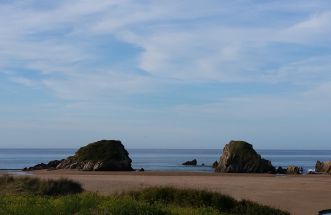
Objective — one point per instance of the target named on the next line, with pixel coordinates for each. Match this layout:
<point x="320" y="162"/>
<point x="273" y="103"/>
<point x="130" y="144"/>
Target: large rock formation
<point x="240" y="157"/>
<point x="324" y="167"/>
<point x="104" y="155"/>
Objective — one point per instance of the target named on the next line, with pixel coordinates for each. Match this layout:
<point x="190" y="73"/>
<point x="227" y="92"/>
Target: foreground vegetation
<point x="18" y="196"/>
<point x="35" y="186"/>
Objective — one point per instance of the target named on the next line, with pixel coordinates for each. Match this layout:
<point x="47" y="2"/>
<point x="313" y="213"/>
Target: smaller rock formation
<point x="190" y="163"/>
<point x="323" y="167"/>
<point x="141" y="170"/>
<point x="240" y="157"/>
<point x="293" y="170"/>
<point x="281" y="170"/>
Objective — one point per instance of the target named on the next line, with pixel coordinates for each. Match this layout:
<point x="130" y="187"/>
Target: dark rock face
<point x="51" y="165"/>
<point x="323" y="167"/>
<point x="281" y="170"/>
<point x="240" y="157"/>
<point x="215" y="164"/>
<point x="104" y="155"/>
<point x="190" y="163"/>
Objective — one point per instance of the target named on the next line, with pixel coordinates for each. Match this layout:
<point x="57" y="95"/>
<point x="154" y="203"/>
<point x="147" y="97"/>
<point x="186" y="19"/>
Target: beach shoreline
<point x="298" y="194"/>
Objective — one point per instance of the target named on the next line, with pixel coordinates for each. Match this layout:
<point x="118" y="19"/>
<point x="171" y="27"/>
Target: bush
<point x="245" y="207"/>
<point x="129" y="206"/>
<point x="186" y="197"/>
<point x="30" y="185"/>
<point x="59" y="187"/>
<point x="203" y="199"/>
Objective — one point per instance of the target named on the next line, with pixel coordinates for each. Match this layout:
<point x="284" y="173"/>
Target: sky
<point x="166" y="73"/>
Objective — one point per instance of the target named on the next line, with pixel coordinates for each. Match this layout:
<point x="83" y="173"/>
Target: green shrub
<point x="203" y="200"/>
<point x="129" y="206"/>
<point x="186" y="197"/>
<point x="245" y="207"/>
<point x="59" y="187"/>
<point x="175" y="210"/>
<point x="31" y="185"/>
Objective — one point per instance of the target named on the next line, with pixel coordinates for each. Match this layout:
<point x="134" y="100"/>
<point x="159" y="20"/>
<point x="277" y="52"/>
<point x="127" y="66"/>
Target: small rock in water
<point x="190" y="163"/>
<point x="141" y="170"/>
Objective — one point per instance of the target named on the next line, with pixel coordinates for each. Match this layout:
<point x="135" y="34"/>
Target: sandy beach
<point x="300" y="195"/>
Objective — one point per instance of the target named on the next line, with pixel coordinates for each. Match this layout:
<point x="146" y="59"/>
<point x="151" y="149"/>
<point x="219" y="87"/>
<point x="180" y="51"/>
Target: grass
<point x="35" y="186"/>
<point x="186" y="198"/>
<point x="202" y="199"/>
<point x="30" y="196"/>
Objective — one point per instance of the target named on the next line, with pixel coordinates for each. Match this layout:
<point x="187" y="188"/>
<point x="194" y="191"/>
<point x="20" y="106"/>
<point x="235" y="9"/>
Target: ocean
<point x="164" y="159"/>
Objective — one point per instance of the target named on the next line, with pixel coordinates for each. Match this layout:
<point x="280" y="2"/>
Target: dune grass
<point x="30" y="196"/>
<point x="35" y="186"/>
<point x="190" y="198"/>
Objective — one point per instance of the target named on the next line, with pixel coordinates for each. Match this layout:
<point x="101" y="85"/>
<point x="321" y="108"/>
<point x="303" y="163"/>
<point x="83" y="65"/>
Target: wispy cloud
<point x="148" y="59"/>
<point x="177" y="42"/>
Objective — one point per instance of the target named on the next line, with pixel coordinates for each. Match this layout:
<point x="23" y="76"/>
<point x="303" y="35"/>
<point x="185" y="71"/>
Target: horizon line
<point x="291" y="149"/>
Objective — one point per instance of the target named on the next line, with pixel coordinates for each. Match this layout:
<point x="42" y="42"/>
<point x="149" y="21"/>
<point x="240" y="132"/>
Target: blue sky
<point x="165" y="74"/>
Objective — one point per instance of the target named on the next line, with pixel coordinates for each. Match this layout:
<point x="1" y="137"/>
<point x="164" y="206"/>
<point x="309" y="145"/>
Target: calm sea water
<point x="164" y="159"/>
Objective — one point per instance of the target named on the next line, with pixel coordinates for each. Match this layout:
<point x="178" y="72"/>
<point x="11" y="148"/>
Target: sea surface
<point x="164" y="159"/>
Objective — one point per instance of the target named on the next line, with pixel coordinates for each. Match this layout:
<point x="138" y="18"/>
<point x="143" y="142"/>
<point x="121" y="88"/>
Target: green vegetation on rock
<point x="101" y="150"/>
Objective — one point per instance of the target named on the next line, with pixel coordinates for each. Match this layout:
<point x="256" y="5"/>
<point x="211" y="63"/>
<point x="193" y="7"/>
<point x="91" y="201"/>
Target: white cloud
<point x="98" y="85"/>
<point x="24" y="81"/>
<point x="311" y="31"/>
<point x="320" y="92"/>
<point x="305" y="72"/>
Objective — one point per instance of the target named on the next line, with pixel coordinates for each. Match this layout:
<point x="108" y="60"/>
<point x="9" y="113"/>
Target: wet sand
<point x="300" y="195"/>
